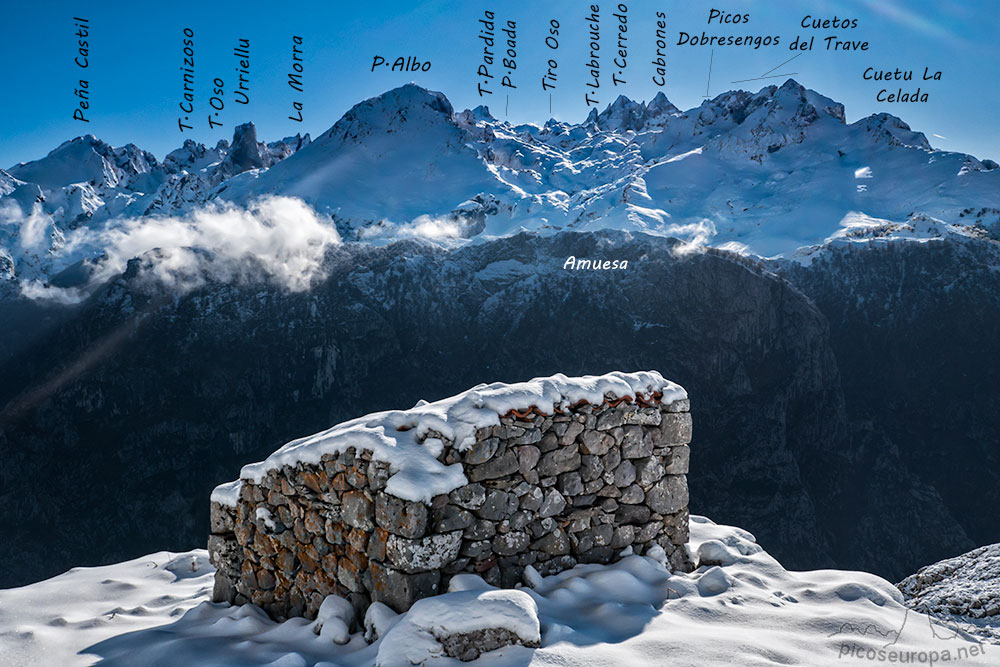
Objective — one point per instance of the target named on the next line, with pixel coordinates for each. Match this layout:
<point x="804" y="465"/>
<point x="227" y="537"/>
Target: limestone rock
<point x="511" y="543"/>
<point x="470" y="497"/>
<point x="570" y="484"/>
<point x="358" y="510"/>
<point x="675" y="429"/>
<point x="555" y="543"/>
<point x="500" y="466"/>
<point x="527" y="458"/>
<point x="680" y="457"/>
<point x="649" y="470"/>
<point x="401" y="517"/>
<point x="482" y="451"/>
<point x="425" y="554"/>
<point x="221" y="518"/>
<point x="499" y="505"/>
<point x="530" y="437"/>
<point x="634" y="444"/>
<point x="632" y="495"/>
<point x="632" y="514"/>
<point x="469" y="646"/>
<point x="610" y="419"/>
<point x="399" y="590"/>
<point x="559" y="461"/>
<point x="452" y="518"/>
<point x="595" y="442"/>
<point x="669" y="495"/>
<point x="572" y="430"/>
<point x="624" y="474"/>
<point x="553" y="504"/>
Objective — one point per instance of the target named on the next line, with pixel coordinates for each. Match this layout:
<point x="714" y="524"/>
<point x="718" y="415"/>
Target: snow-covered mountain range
<point x="769" y="172"/>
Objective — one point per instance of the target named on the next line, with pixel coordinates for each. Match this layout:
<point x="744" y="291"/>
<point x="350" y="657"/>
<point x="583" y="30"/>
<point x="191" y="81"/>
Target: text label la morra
<point x="295" y="78"/>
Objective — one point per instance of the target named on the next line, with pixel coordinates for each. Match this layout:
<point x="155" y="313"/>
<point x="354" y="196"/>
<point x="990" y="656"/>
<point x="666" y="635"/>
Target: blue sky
<point x="136" y="52"/>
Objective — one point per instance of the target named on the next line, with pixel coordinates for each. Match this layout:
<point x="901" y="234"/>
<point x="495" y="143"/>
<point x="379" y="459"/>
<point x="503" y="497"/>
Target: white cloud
<point x="424" y="227"/>
<point x="276" y="238"/>
<point x="427" y="227"/>
<point x="32" y="228"/>
<point x="695" y="236"/>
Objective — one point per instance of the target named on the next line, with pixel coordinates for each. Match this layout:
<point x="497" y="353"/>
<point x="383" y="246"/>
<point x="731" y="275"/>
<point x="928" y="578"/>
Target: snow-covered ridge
<point x="859" y="229"/>
<point x="411" y="440"/>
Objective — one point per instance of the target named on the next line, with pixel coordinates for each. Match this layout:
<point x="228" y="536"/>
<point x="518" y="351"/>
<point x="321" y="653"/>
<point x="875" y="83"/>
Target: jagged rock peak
<point x="471" y="118"/>
<point x="409" y="104"/>
<point x="297" y="141"/>
<point x="790" y="102"/>
<point x="86" y="159"/>
<point x="246" y="152"/>
<point x="661" y="105"/>
<point x="482" y="112"/>
<point x="626" y="114"/>
<point x="85" y="142"/>
<point x="893" y="130"/>
<point x="279" y="150"/>
<point x="621" y="115"/>
<point x="192" y="156"/>
<point x="809" y="102"/>
<point x="244" y="132"/>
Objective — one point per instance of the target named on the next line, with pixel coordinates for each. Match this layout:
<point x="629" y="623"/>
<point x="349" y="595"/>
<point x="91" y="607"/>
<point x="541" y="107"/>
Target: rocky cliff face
<point x="120" y="420"/>
<point x="912" y="326"/>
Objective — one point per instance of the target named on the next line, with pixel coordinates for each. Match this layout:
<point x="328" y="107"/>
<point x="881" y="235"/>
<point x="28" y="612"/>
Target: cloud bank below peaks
<point x="280" y="239"/>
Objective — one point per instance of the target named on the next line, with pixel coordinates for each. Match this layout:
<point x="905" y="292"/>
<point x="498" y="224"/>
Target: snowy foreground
<point x="739" y="608"/>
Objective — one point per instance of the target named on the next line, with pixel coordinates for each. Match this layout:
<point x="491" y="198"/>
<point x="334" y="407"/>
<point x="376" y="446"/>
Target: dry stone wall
<point x="544" y="490"/>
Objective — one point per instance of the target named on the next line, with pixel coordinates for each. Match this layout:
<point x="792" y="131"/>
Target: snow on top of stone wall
<point x="407" y="439"/>
<point x="228" y="493"/>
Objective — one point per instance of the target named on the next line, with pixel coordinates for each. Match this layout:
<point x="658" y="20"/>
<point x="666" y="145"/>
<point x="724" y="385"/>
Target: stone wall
<point x="548" y="491"/>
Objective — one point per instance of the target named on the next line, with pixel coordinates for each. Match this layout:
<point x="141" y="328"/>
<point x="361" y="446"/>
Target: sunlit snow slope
<point x="740" y="607"/>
